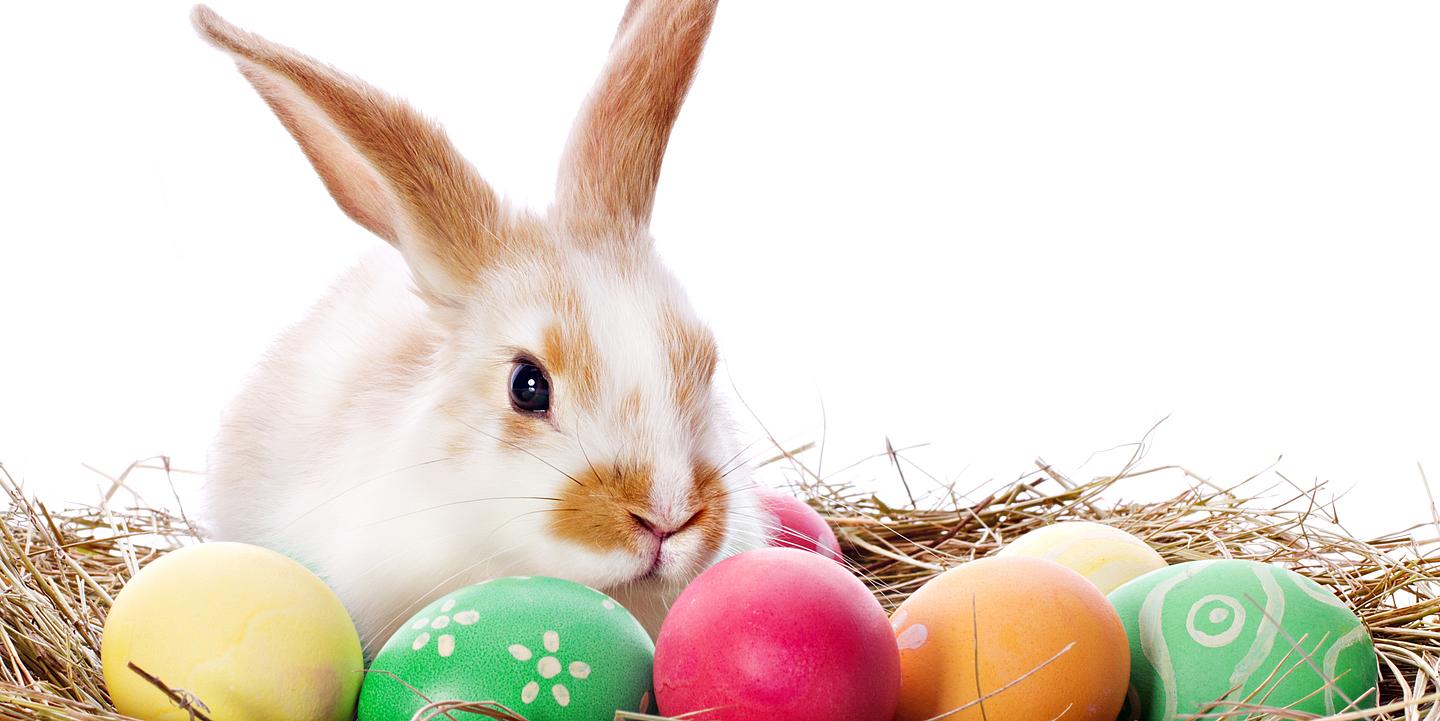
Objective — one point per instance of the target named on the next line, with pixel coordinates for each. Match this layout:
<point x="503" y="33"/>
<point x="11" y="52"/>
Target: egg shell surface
<point x="252" y="634"/>
<point x="777" y="633"/>
<point x="1038" y="636"/>
<point x="550" y="649"/>
<point x="1199" y="629"/>
<point x="1108" y="556"/>
<point x="800" y="526"/>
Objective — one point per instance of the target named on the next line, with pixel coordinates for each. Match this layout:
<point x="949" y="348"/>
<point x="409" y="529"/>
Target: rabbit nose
<point x="662" y="529"/>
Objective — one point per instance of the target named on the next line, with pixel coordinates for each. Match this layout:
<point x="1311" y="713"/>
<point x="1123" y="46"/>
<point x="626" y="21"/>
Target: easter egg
<point x="799" y="526"/>
<point x="546" y="648"/>
<point x="1107" y="556"/>
<point x="1033" y="638"/>
<point x="249" y="633"/>
<point x="1242" y="631"/>
<point x="777" y="633"/>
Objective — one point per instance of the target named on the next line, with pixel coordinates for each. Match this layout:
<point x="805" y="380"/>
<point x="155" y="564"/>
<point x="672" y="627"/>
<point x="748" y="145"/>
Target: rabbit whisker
<point x="857" y="570"/>
<point x="524" y="450"/>
<point x="450" y="504"/>
<point x="357" y="486"/>
<point x="492" y="556"/>
<point x="745" y="449"/>
<point x="423" y="598"/>
<point x="581" y="442"/>
<point x="738" y="489"/>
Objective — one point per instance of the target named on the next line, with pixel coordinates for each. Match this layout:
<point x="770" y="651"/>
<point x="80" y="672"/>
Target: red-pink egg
<point x="777" y="633"/>
<point x="799" y="525"/>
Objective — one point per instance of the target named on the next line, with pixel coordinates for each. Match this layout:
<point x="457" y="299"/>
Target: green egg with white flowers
<point x="548" y="649"/>
<point x="1241" y="632"/>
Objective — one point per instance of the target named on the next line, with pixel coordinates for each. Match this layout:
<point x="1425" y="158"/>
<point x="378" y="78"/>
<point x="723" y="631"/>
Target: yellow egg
<point x="1108" y="557"/>
<point x="248" y="632"/>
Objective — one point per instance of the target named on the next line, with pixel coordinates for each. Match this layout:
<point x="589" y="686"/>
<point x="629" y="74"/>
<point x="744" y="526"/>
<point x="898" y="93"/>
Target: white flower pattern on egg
<point x="445" y="644"/>
<point x="913" y="636"/>
<point x="547" y="668"/>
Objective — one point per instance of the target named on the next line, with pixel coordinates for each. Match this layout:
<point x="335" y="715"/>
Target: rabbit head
<point x="540" y="399"/>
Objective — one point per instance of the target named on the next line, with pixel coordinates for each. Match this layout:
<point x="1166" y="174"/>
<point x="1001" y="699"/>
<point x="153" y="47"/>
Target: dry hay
<point x="62" y="569"/>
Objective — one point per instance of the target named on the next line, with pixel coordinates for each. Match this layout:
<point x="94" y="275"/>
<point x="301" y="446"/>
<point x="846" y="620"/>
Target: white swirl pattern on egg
<point x="1228" y="612"/>
<point x="1153" y="638"/>
<point x="1152" y="634"/>
<point x="1266" y="630"/>
<point x="1331" y="664"/>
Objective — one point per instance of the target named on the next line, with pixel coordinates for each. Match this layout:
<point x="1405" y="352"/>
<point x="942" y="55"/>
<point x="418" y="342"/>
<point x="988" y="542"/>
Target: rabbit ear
<point x="391" y="170"/>
<point x="613" y="159"/>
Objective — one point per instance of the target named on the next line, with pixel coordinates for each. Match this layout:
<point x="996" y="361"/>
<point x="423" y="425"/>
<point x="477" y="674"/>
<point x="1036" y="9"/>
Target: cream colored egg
<point x="246" y="631"/>
<point x="1108" y="557"/>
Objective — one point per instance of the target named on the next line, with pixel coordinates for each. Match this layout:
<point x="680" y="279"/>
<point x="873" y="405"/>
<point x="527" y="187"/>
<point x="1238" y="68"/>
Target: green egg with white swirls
<point x="1240" y="632"/>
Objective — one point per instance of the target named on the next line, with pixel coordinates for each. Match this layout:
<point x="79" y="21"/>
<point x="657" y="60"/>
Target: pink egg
<point x="777" y="633"/>
<point x="800" y="526"/>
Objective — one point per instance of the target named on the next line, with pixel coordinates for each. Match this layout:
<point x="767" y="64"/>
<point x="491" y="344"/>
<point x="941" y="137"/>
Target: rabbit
<point x="511" y="393"/>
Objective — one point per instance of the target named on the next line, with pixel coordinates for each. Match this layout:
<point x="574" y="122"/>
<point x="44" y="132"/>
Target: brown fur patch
<point x="459" y="446"/>
<point x="710" y="496"/>
<point x="693" y="357"/>
<point x="630" y="407"/>
<point x="518" y="431"/>
<point x="596" y="233"/>
<point x="595" y="513"/>
<point x="385" y="164"/>
<point x="568" y="353"/>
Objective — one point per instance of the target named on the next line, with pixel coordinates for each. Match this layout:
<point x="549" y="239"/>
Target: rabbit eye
<point x="529" y="388"/>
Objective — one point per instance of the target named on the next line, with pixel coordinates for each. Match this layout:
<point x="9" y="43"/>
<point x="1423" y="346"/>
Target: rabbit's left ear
<point x="391" y="170"/>
<point x="612" y="163"/>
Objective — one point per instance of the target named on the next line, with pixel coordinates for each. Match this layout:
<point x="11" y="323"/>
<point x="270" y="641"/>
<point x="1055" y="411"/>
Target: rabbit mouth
<point x="665" y="563"/>
<point x="656" y="568"/>
<point x="652" y="573"/>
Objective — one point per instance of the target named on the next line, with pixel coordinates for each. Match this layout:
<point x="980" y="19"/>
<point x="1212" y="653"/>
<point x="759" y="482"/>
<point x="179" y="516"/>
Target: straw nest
<point x="62" y="569"/>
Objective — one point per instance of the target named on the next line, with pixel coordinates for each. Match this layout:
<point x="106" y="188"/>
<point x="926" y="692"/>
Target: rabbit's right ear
<point x="391" y="170"/>
<point x="612" y="162"/>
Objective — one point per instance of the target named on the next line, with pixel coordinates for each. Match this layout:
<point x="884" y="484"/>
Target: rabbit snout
<point x="669" y="524"/>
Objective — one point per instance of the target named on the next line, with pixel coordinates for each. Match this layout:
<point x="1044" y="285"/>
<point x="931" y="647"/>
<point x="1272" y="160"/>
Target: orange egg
<point x="1032" y="637"/>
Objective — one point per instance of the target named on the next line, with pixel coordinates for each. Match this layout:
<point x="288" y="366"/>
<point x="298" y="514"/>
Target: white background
<point x="1009" y="229"/>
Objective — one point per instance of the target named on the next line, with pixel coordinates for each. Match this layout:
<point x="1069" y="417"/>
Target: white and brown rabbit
<point x="509" y="394"/>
